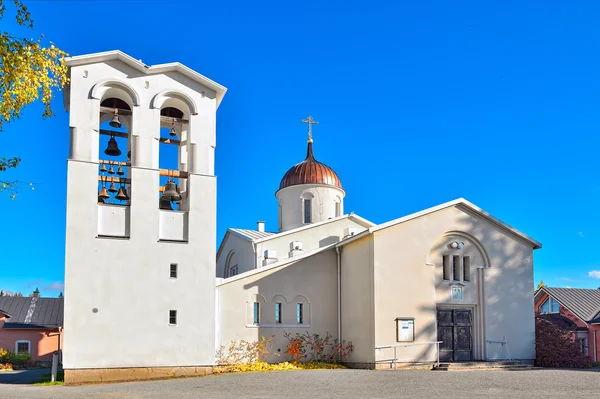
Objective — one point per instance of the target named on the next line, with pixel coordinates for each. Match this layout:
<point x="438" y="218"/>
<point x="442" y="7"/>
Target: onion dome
<point x="310" y="171"/>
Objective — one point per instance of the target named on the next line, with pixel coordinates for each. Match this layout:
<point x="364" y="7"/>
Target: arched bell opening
<point x="114" y="152"/>
<point x="172" y="156"/>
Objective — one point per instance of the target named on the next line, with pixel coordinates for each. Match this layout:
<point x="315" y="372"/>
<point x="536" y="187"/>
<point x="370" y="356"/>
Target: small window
<point x="173" y="271"/>
<point x="299" y="315"/>
<point x="466" y="268"/>
<point x="233" y="271"/>
<point x="307" y="210"/>
<point x="456" y="268"/>
<point x="278" y="313"/>
<point x="23" y="347"/>
<point x="445" y="268"/>
<point x="555" y="306"/>
<point x="338" y="208"/>
<point x="256" y="312"/>
<point x="173" y="317"/>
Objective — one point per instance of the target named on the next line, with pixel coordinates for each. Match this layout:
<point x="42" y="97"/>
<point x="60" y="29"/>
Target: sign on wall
<point x="405" y="329"/>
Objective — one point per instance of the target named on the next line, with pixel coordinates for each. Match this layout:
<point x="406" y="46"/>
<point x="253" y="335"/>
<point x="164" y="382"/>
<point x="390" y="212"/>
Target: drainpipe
<point x="339" y="297"/>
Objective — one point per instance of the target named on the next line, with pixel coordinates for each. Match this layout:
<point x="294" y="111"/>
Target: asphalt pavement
<point x="530" y="384"/>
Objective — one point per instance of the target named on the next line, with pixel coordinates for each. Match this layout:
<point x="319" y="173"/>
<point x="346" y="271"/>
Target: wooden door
<point x="454" y="330"/>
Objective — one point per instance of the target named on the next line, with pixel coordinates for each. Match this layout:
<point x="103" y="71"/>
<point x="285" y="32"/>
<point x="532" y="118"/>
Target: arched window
<point x="280" y="215"/>
<point x="338" y="206"/>
<point x="172" y="158"/>
<point x="231" y="267"/>
<point x="307" y="199"/>
<point x="114" y="155"/>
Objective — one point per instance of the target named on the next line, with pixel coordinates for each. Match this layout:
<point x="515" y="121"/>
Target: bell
<point x="112" y="188"/>
<point x="122" y="195"/>
<point x="164" y="205"/>
<point x="100" y="200"/>
<point x="103" y="168"/>
<point x="173" y="133"/>
<point x="129" y="154"/>
<point x="115" y="122"/>
<point x="111" y="170"/>
<point x="170" y="193"/>
<point x="120" y="171"/>
<point x="127" y="197"/>
<point x="112" y="149"/>
<point x="103" y="194"/>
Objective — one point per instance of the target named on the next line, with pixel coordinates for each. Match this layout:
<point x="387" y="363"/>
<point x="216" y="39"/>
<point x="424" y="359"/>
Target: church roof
<point x="251" y="234"/>
<point x="310" y="171"/>
<point x="461" y="203"/>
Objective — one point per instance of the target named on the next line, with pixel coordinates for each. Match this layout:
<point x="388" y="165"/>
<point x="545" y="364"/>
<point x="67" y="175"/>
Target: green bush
<point x="17" y="359"/>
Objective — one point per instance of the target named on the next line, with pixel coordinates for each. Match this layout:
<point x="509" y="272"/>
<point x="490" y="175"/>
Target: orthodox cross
<point x="310" y="122"/>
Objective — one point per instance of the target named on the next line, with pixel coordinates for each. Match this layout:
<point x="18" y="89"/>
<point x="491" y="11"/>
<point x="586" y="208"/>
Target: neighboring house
<point x="578" y="307"/>
<point x="32" y="325"/>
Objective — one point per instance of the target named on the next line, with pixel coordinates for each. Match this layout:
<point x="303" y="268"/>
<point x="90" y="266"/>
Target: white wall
<point x="313" y="278"/>
<point x="243" y="254"/>
<point x="323" y="204"/>
<point x="311" y="238"/>
<point x="117" y="291"/>
<point x="405" y="286"/>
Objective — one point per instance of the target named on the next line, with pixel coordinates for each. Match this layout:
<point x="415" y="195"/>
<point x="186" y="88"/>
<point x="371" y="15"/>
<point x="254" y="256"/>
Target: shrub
<point x="17" y="359"/>
<point x="556" y="347"/>
<point x="3" y="355"/>
<point x="309" y="347"/>
<point x="244" y="352"/>
<point x="6" y="367"/>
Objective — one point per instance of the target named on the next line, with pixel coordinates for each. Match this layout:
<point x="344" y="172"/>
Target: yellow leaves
<point x="28" y="71"/>
<point x="262" y="367"/>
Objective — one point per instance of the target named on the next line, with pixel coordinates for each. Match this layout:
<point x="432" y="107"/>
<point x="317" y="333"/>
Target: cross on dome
<point x="310" y="122"/>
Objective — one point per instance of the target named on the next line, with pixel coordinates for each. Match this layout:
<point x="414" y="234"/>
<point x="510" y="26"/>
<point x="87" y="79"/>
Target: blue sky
<point x="419" y="103"/>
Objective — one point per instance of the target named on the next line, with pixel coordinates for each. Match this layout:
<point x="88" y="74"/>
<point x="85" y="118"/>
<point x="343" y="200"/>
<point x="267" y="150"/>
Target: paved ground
<point x="21" y="376"/>
<point x="340" y="384"/>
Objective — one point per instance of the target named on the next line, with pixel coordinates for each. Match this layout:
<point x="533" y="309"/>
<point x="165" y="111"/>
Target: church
<point x="149" y="295"/>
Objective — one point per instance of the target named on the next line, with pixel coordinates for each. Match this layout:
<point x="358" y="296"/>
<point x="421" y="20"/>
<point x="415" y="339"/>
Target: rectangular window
<point x="173" y="272"/>
<point x="299" y="315"/>
<point x="456" y="268"/>
<point x="278" y="313"/>
<point x="307" y="210"/>
<point x="555" y="306"/>
<point x="338" y="207"/>
<point x="22" y="347"/>
<point x="256" y="312"/>
<point x="445" y="268"/>
<point x="466" y="268"/>
<point x="233" y="271"/>
<point x="173" y="317"/>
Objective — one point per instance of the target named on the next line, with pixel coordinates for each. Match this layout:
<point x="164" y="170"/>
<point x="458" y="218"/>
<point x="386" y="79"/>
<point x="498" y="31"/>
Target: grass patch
<point x="45" y="380"/>
<point x="262" y="367"/>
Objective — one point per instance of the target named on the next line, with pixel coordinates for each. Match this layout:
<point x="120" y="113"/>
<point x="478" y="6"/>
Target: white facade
<point x="118" y="290"/>
<point x="358" y="287"/>
<point x="326" y="202"/>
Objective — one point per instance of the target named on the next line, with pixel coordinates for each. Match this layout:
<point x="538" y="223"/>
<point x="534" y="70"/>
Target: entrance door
<point x="454" y="330"/>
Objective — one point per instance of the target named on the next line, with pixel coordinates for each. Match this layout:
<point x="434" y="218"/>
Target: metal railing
<point x="396" y="346"/>
<point x="503" y="343"/>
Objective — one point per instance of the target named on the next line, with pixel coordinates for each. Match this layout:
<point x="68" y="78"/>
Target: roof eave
<point x="468" y="205"/>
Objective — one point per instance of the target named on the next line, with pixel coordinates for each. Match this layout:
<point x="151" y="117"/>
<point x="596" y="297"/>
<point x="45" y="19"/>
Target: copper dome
<point x="310" y="171"/>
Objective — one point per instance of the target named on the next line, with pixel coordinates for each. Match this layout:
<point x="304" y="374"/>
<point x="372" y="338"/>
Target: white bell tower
<point x="140" y="237"/>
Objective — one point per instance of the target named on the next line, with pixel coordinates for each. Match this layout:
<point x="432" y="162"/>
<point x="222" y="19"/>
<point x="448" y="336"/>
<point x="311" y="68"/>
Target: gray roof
<point x="252" y="234"/>
<point x="584" y="302"/>
<point x="32" y="312"/>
